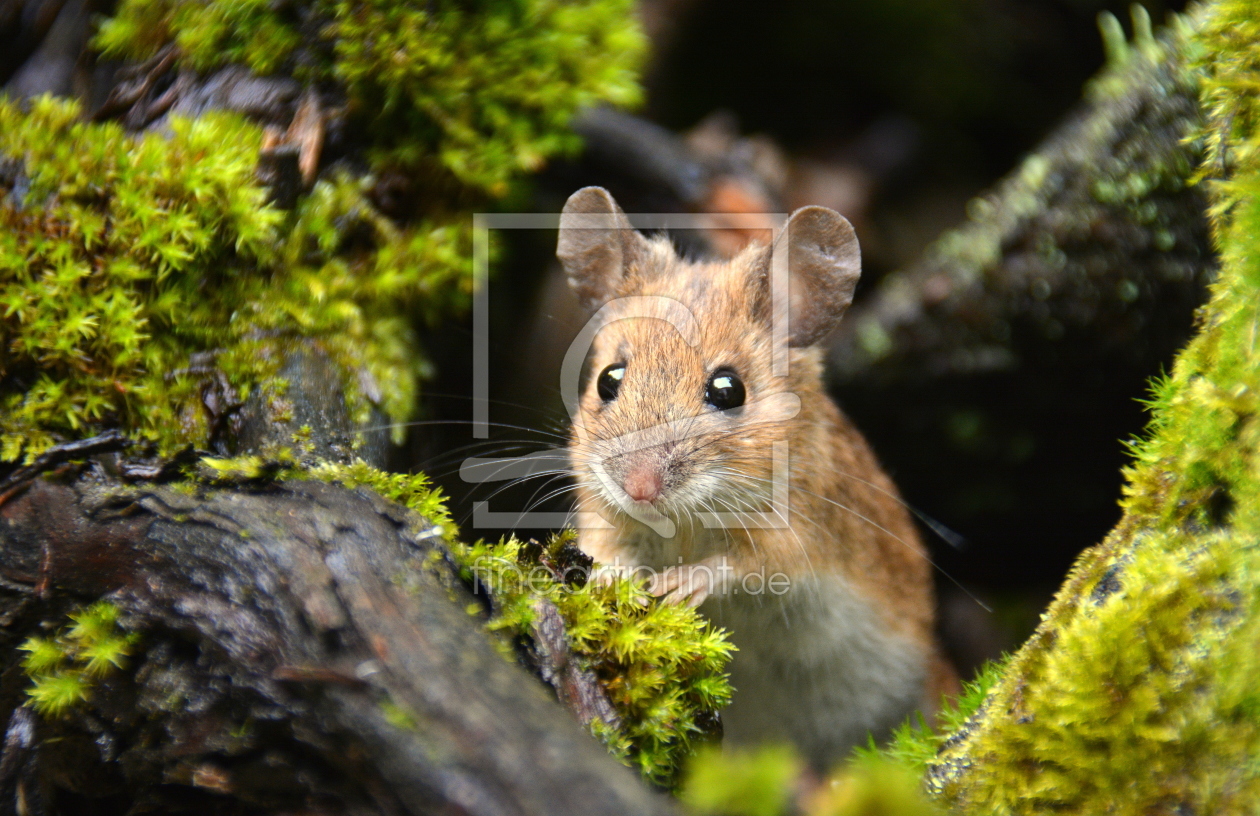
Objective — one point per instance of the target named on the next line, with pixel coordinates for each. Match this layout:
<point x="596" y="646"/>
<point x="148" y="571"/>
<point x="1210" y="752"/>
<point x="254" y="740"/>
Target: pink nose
<point x="643" y="484"/>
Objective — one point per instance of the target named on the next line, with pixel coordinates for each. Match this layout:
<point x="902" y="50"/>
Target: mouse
<point x="710" y="462"/>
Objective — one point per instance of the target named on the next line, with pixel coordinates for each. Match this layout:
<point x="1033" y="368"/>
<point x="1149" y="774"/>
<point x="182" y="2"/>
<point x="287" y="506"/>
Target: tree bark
<point x="1096" y="247"/>
<point x="301" y="646"/>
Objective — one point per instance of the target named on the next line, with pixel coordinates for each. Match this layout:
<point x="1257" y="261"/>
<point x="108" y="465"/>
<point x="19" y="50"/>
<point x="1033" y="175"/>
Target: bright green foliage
<point x="914" y="744"/>
<point x="879" y="779"/>
<point x="122" y="257"/>
<point x="97" y="267"/>
<point x="769" y="782"/>
<point x="482" y="91"/>
<point x="415" y="491"/>
<point x="874" y="787"/>
<point x="660" y="663"/>
<point x="62" y="668"/>
<point x="54" y="694"/>
<point x="1230" y="58"/>
<point x="1139" y="694"/>
<point x="412" y="490"/>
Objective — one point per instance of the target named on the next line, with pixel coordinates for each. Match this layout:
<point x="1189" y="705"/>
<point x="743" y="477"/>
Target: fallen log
<point x="298" y="647"/>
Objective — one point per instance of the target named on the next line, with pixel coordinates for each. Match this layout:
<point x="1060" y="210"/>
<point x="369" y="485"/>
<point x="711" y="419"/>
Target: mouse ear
<point x="597" y="245"/>
<point x="824" y="264"/>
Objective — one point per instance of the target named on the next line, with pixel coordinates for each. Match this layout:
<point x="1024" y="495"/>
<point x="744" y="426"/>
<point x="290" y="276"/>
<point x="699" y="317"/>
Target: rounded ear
<point x="824" y="264"/>
<point x="597" y="245"/>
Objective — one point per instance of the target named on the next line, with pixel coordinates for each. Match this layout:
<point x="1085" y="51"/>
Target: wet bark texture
<point x="302" y="646"/>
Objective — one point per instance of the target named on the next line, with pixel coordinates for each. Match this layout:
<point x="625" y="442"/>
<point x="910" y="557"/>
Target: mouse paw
<point x="690" y="584"/>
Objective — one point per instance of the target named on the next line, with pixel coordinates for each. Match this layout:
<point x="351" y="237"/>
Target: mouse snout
<point x="643" y="482"/>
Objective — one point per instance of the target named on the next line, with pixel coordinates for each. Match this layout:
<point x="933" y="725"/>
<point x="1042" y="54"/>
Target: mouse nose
<point x="643" y="483"/>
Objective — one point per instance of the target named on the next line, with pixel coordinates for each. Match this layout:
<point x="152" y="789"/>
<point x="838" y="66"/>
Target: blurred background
<point x="895" y="113"/>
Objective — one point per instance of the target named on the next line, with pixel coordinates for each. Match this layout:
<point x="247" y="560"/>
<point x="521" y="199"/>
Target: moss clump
<point x="63" y="668"/>
<point x="1229" y="48"/>
<point x="106" y="246"/>
<point x="136" y="271"/>
<point x="480" y="91"/>
<point x="412" y="490"/>
<point x="661" y="664"/>
<point x="1138" y="693"/>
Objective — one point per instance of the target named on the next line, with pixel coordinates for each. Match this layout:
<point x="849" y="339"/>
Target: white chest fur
<point x="816" y="667"/>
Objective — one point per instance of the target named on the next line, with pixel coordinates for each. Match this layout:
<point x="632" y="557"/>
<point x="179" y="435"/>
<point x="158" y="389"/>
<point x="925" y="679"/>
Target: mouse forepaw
<point x="690" y="584"/>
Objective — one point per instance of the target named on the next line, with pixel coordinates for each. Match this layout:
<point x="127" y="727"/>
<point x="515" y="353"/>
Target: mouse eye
<point x="610" y="381"/>
<point x="725" y="390"/>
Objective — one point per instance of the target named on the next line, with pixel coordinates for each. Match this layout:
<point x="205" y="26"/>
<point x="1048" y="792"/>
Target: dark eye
<point x="610" y="381"/>
<point x="725" y="390"/>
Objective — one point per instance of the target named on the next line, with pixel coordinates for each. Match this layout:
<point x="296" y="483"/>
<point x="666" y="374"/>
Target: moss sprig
<point x="64" y="667"/>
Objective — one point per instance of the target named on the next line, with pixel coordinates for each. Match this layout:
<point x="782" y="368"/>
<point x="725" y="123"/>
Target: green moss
<point x="770" y="782"/>
<point x="661" y="664"/>
<point x="398" y="716"/>
<point x="96" y="234"/>
<point x="247" y="468"/>
<point x="873" y="786"/>
<point x="480" y="91"/>
<point x="412" y="490"/>
<point x="122" y="259"/>
<point x="63" y="668"/>
<point x="914" y="744"/>
<point x="1229" y="57"/>
<point x="1138" y="692"/>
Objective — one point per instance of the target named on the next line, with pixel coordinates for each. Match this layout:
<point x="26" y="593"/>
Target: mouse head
<point x="683" y="408"/>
